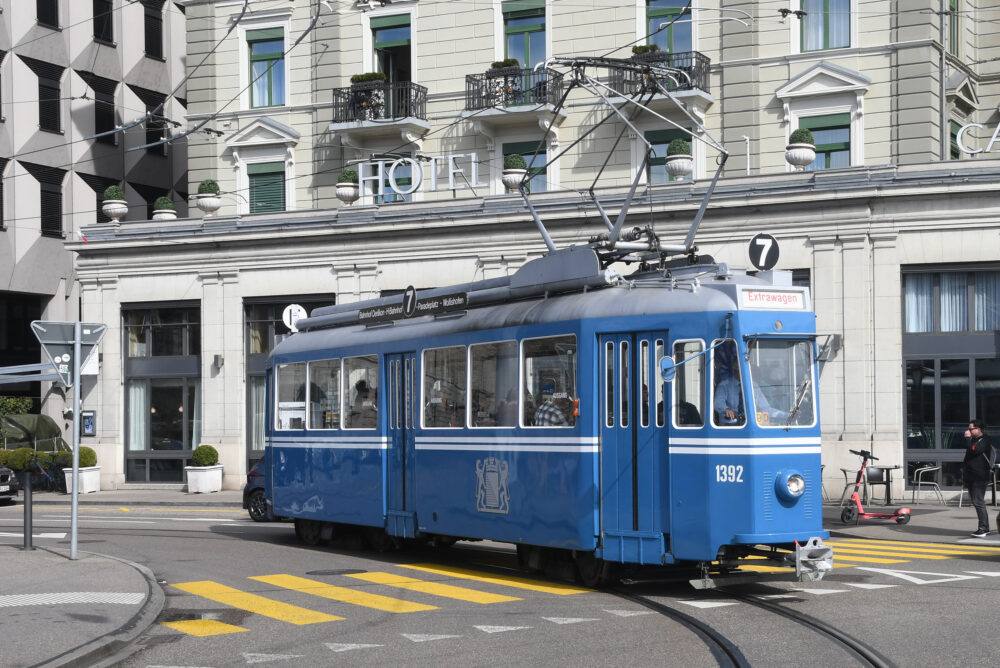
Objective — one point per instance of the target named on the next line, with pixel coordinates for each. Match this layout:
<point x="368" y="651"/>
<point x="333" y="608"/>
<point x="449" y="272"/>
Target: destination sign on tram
<point x="412" y="305"/>
<point x="776" y="300"/>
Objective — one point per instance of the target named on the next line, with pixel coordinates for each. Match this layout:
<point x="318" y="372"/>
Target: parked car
<point x="254" y="496"/>
<point x="8" y="485"/>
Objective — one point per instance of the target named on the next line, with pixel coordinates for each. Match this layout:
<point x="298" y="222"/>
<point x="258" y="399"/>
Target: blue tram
<point x="669" y="417"/>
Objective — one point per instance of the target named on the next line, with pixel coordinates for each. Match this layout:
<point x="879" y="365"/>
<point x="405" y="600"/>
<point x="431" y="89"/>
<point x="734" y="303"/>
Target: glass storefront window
<point x="163" y="332"/>
<point x="920" y="404"/>
<point x="955" y="409"/>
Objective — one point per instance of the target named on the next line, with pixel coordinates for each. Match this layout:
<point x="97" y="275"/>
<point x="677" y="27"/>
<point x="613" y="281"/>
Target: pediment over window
<point x="962" y="93"/>
<point x="263" y="132"/>
<point x="822" y="80"/>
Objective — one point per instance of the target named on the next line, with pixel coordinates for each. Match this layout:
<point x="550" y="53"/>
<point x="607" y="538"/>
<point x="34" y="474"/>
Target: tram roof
<point x="643" y="294"/>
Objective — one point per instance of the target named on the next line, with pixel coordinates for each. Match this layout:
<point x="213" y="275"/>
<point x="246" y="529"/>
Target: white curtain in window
<point x="954" y="302"/>
<point x="918" y="303"/>
<point x="839" y="21"/>
<point x="813" y="25"/>
<point x="987" y="301"/>
<point x="138" y="415"/>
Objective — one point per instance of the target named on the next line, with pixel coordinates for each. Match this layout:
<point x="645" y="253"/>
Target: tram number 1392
<point x="728" y="473"/>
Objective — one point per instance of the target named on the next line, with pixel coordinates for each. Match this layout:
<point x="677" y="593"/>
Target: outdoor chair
<point x="926" y="475"/>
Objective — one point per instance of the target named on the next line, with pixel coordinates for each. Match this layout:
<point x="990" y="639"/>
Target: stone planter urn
<point x="512" y="178"/>
<point x="203" y="479"/>
<point x="164" y="214"/>
<point x="800" y="155"/>
<point x="347" y="192"/>
<point x="679" y="166"/>
<point x="89" y="476"/>
<point x="115" y="209"/>
<point x="208" y="203"/>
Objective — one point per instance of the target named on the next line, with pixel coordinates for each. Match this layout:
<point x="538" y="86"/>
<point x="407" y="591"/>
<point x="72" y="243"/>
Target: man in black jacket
<point x="978" y="469"/>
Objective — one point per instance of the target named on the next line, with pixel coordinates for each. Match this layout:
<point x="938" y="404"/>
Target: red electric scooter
<point x="855" y="512"/>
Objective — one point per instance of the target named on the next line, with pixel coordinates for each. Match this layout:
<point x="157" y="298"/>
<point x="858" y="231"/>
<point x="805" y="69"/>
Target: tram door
<point x="632" y="415"/>
<point x="401" y="374"/>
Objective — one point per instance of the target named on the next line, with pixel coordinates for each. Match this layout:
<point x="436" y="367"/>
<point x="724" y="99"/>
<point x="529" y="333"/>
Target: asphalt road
<point x="241" y="593"/>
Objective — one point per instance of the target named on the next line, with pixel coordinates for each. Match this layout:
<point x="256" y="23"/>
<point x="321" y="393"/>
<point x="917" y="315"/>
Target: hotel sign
<point x="960" y="139"/>
<point x="405" y="176"/>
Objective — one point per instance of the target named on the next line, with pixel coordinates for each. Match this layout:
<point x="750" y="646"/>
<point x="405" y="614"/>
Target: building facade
<point x="74" y="78"/>
<point x="893" y="224"/>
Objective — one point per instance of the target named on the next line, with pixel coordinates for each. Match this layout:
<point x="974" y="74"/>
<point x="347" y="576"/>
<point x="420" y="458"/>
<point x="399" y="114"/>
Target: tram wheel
<point x="903" y="519"/>
<point x="591" y="571"/>
<point x="377" y="539"/>
<point x="849" y="514"/>
<point x="308" y="531"/>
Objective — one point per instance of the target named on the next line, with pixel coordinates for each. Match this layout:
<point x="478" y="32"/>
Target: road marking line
<point x="67" y="597"/>
<point x="941" y="548"/>
<point x="837" y="556"/>
<point x="507" y="581"/>
<point x="885" y="553"/>
<point x="7" y="534"/>
<point x="433" y="588"/>
<point x="342" y="594"/>
<point x="260" y="605"/>
<point x="204" y="627"/>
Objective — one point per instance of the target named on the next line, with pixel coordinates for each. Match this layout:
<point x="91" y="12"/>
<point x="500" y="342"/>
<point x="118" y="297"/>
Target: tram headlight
<point x="790" y="485"/>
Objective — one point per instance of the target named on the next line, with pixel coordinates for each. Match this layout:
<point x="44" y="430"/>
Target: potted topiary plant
<point x="347" y="186"/>
<point x="205" y="473"/>
<point x="89" y="471"/>
<point x="679" y="162"/>
<point x="514" y="171"/>
<point x="114" y="205"/>
<point x="208" y="199"/>
<point x="163" y="209"/>
<point x="801" y="149"/>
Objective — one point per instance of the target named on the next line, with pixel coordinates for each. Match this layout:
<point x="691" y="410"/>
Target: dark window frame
<point x="152" y="24"/>
<point x="47" y="13"/>
<point x="104" y="23"/>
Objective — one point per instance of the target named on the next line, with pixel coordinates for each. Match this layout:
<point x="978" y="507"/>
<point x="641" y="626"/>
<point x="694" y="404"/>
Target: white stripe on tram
<point x="506" y="447"/>
<point x="721" y="450"/>
<point x="732" y="442"/>
<point x="360" y="442"/>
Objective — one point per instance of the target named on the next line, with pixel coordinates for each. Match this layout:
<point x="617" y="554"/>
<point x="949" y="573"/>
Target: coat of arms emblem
<point x="492" y="494"/>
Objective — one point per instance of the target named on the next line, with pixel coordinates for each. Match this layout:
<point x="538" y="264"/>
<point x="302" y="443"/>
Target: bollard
<point x="27" y="511"/>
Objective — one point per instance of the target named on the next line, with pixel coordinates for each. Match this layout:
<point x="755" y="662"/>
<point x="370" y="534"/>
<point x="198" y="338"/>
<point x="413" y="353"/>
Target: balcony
<point x="513" y="96"/>
<point x="375" y="109"/>
<point x="692" y="88"/>
<point x="512" y="87"/>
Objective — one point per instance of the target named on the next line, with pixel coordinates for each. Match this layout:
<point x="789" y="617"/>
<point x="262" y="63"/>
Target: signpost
<point x="68" y="345"/>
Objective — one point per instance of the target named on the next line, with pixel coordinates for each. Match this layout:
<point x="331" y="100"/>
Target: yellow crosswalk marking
<point x="254" y="603"/>
<point x="204" y="627"/>
<point x="884" y="553"/>
<point x="433" y="588"/>
<point x="866" y="559"/>
<point x="942" y="548"/>
<point x="342" y="594"/>
<point x="507" y="581"/>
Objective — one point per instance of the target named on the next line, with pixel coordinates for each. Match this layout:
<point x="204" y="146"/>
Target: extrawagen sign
<point x="960" y="139"/>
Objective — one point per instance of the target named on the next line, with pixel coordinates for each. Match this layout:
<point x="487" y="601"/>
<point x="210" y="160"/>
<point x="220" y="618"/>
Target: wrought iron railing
<point x="512" y="87"/>
<point x="695" y="65"/>
<point x="379" y="101"/>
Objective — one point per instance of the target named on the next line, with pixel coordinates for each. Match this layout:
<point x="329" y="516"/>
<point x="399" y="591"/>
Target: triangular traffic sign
<point x="58" y="339"/>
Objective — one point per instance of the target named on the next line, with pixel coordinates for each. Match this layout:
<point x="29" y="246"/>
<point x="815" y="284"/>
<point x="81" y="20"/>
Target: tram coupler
<point x="812" y="560"/>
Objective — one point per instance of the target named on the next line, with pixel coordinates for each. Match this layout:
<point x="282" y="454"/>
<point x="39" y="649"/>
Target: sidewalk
<point x="77" y="613"/>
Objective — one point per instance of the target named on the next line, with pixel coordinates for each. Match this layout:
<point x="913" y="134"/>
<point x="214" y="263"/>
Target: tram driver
<point x="728" y="404"/>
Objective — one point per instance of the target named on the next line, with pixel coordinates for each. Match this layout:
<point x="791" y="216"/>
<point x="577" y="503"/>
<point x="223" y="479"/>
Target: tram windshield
<point x="782" y="377"/>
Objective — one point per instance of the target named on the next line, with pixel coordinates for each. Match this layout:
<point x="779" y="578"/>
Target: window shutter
<point x="50" y="196"/>
<point x="267" y="187"/>
<point x="49" y="93"/>
<point x="154" y="126"/>
<point x="104" y="105"/>
<point x="48" y="12"/>
<point x="265" y="34"/>
<point x="153" y="24"/>
<point x="103" y="21"/>
<point x="390" y="21"/>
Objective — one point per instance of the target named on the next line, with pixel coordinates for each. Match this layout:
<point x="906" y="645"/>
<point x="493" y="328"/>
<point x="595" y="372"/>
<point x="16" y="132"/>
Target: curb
<point x="114" y="642"/>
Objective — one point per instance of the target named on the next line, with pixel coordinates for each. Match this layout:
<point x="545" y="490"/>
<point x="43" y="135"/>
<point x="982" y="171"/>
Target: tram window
<point x="361" y="383"/>
<point x="291" y="413"/>
<point x="781" y="372"/>
<point x="609" y="384"/>
<point x="727" y="396"/>
<point x="444" y="387"/>
<point x="626" y="383"/>
<point x="324" y="394"/>
<point x="549" y="372"/>
<point x="494" y="384"/>
<point x="657" y="383"/>
<point x="644" y="383"/>
<point x="689" y="384"/>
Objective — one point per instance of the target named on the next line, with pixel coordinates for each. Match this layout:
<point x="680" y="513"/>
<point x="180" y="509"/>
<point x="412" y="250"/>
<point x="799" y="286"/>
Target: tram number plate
<point x="728" y="473"/>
